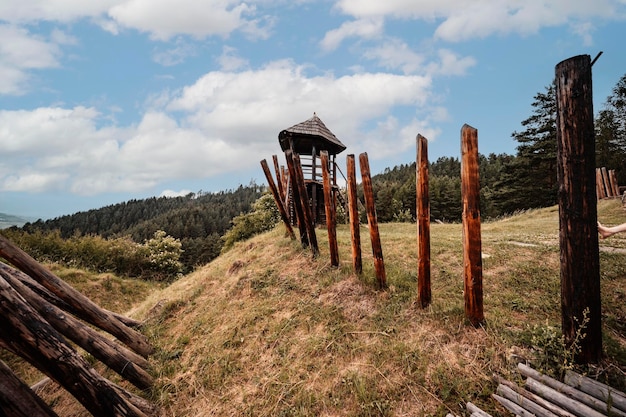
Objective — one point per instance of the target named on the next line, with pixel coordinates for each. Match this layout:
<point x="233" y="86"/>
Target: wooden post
<point x="306" y="206"/>
<point x="423" y="223"/>
<point x="331" y="221"/>
<point x="353" y="214"/>
<point x="578" y="232"/>
<point x="297" y="200"/>
<point x="601" y="193"/>
<point x="86" y="308"/>
<point x="277" y="199"/>
<point x="313" y="186"/>
<point x="370" y="205"/>
<point x="472" y="243"/>
<point x="279" y="179"/>
<point x="605" y="180"/>
<point x="613" y="181"/>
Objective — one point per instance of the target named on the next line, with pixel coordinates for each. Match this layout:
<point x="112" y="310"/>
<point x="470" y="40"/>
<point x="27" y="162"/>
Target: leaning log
<point x="86" y="308"/>
<point x="372" y="220"/>
<point x="307" y="210"/>
<point x="277" y="199"/>
<point x="126" y="363"/>
<point x="17" y="399"/>
<point x="25" y="333"/>
<point x="297" y="199"/>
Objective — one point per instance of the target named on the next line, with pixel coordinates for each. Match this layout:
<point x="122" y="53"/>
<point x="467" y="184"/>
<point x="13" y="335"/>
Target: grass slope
<point x="265" y="330"/>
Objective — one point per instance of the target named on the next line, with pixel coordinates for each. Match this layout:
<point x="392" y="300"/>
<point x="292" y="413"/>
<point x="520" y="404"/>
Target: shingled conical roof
<point x="308" y="134"/>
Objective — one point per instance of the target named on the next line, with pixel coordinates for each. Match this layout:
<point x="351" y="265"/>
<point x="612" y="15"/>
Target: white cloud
<point x="175" y="55"/>
<point x="230" y="60"/>
<point x="172" y="193"/>
<point x="52" y="10"/>
<point x="224" y="122"/>
<point x="396" y="54"/>
<point x="163" y="19"/>
<point x="450" y="63"/>
<point x="477" y="19"/>
<point x="363" y="28"/>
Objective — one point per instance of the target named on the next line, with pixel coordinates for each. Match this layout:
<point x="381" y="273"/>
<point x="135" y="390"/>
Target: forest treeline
<point x="169" y="236"/>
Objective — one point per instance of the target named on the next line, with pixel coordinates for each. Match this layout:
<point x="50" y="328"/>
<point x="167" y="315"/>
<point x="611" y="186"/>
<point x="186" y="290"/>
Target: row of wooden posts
<point x="606" y="183"/>
<point x="471" y="216"/>
<point x="294" y="183"/>
<point x="578" y="239"/>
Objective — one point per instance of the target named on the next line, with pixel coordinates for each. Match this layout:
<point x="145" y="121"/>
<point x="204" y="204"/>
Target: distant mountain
<point x="8" y="220"/>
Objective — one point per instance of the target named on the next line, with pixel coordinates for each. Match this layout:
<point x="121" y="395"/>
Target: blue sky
<point x="104" y="101"/>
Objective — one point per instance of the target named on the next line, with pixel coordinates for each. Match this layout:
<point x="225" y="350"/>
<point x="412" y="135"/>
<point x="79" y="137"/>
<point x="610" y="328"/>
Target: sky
<point x="104" y="101"/>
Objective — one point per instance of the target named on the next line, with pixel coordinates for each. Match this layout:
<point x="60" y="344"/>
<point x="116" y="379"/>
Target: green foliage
<point x="554" y="355"/>
<point x="263" y="217"/>
<point x="164" y="254"/>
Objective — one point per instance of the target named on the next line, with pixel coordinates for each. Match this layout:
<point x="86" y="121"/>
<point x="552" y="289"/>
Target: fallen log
<point x="17" y="399"/>
<point x="560" y="399"/>
<point x="513" y="407"/>
<point x="25" y="333"/>
<point x="553" y="408"/>
<point x="472" y="408"/>
<point x="504" y="391"/>
<point x="86" y="309"/>
<point x="611" y="396"/>
<point x="126" y="363"/>
<point x="583" y="398"/>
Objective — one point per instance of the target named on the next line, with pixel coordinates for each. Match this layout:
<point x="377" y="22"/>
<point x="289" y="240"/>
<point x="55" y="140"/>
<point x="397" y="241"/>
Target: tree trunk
<point x="578" y="232"/>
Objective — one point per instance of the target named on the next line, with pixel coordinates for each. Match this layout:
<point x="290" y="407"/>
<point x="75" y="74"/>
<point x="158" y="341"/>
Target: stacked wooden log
<point x="43" y="319"/>
<point x="543" y="396"/>
<point x="606" y="184"/>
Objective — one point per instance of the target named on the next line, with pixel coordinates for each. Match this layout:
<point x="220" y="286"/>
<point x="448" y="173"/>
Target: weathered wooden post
<point x="423" y="223"/>
<point x="472" y="244"/>
<point x="601" y="193"/>
<point x="277" y="199"/>
<point x="306" y="206"/>
<point x="370" y="205"/>
<point x="297" y="200"/>
<point x="279" y="179"/>
<point x="578" y="232"/>
<point x="329" y="205"/>
<point x="353" y="213"/>
<point x="17" y="399"/>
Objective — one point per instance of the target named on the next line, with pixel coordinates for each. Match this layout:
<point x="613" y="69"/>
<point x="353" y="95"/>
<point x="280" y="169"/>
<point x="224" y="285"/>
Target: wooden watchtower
<point x="308" y="139"/>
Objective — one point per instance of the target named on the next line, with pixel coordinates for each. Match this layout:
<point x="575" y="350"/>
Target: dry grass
<point x="265" y="330"/>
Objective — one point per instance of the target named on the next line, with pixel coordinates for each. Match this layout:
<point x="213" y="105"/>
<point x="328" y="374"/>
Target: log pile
<point x="606" y="184"/>
<point x="43" y="320"/>
<point x="543" y="396"/>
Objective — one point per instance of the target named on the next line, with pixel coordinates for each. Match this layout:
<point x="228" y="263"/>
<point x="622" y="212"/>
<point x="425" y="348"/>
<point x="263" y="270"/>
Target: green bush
<point x="263" y="217"/>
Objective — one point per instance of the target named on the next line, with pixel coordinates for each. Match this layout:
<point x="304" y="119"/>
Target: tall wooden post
<point x="297" y="200"/>
<point x="277" y="199"/>
<point x="423" y="223"/>
<point x="329" y="205"/>
<point x="578" y="233"/>
<point x="472" y="244"/>
<point x="372" y="220"/>
<point x="306" y="205"/>
<point x="353" y="213"/>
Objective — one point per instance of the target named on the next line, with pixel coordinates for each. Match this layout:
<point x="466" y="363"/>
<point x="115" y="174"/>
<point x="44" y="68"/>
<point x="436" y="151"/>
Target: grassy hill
<point x="265" y="330"/>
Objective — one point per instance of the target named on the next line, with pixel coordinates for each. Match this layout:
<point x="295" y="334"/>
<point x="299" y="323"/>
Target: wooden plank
<point x="372" y="221"/>
<point x="329" y="206"/>
<point x="613" y="182"/>
<point x="472" y="243"/>
<point x="607" y="394"/>
<point x="424" y="293"/>
<point x="353" y="214"/>
<point x="86" y="308"/>
<point x="578" y="229"/>
<point x="600" y="191"/>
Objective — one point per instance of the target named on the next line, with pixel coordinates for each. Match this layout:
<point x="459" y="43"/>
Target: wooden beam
<point x="329" y="205"/>
<point x="424" y="294"/>
<point x="353" y="214"/>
